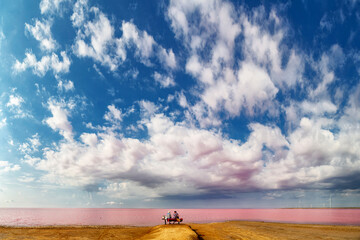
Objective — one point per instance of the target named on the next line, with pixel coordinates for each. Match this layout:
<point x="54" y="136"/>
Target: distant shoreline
<point x="323" y="208"/>
<point x="152" y="217"/>
<point x="176" y="208"/>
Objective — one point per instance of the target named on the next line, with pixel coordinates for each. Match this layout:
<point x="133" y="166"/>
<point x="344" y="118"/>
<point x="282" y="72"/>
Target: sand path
<point x="171" y="232"/>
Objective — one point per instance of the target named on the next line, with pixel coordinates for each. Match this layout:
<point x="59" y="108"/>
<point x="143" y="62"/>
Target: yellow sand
<point x="171" y="232"/>
<point x="210" y="231"/>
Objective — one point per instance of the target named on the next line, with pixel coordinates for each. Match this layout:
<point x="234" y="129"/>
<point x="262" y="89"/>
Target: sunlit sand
<point x="208" y="231"/>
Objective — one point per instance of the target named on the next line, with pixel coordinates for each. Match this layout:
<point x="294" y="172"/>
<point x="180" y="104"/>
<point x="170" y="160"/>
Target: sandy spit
<point x="209" y="231"/>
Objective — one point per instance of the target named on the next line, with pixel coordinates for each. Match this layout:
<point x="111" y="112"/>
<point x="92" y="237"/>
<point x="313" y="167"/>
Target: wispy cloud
<point x="41" y="31"/>
<point x="6" y="166"/>
<point x="51" y="6"/>
<point x="97" y="40"/>
<point x="46" y="63"/>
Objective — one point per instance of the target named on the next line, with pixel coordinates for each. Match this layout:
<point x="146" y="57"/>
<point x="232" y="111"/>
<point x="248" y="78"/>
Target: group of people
<point x="176" y="215"/>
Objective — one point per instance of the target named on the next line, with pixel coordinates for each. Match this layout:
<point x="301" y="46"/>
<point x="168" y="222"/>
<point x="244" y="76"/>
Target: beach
<point x="191" y="231"/>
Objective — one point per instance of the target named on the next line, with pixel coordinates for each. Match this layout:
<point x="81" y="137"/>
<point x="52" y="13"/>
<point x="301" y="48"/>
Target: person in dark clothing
<point x="176" y="216"/>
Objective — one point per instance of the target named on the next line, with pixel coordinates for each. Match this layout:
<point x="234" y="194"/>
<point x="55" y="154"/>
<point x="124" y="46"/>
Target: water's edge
<point x="81" y="217"/>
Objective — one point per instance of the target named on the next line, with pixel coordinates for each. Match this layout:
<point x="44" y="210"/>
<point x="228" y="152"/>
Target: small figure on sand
<point x="168" y="215"/>
<point x="169" y="219"/>
<point x="176" y="216"/>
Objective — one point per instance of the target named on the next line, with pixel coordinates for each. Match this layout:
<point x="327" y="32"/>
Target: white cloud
<point x="15" y="101"/>
<point x="60" y="67"/>
<point x="179" y="151"/>
<point x="2" y="37"/>
<point x="31" y="146"/>
<point x="148" y="108"/>
<point x="178" y="18"/>
<point x="163" y="80"/>
<point x="90" y="139"/>
<point x="100" y="34"/>
<point x="319" y="108"/>
<point x="46" y="63"/>
<point x="59" y="121"/>
<point x="6" y="166"/>
<point x="193" y="65"/>
<point x="114" y="115"/>
<point x="112" y="203"/>
<point x="328" y="61"/>
<point x="253" y="91"/>
<point x="41" y="31"/>
<point x="98" y="71"/>
<point x="26" y="179"/>
<point x="51" y="6"/>
<point x="167" y="58"/>
<point x="311" y="155"/>
<point x="3" y="122"/>
<point x="143" y="42"/>
<point x="96" y="39"/>
<point x="315" y="151"/>
<point x="182" y="100"/>
<point x="80" y="11"/>
<point x="15" y="106"/>
<point x="127" y="190"/>
<point x="325" y="23"/>
<point x="226" y="86"/>
<point x="65" y="85"/>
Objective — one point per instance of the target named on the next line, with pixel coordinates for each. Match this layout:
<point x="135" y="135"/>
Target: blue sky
<point x="243" y="104"/>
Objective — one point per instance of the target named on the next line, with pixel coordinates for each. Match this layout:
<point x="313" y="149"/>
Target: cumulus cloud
<point x="46" y="63"/>
<point x="172" y="148"/>
<point x="41" y="31"/>
<point x="317" y="151"/>
<point x="169" y="161"/>
<point x="59" y="120"/>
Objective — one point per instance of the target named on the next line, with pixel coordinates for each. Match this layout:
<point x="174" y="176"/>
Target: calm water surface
<point x="150" y="217"/>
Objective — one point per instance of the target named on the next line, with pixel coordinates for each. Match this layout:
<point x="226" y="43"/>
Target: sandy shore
<point x="209" y="231"/>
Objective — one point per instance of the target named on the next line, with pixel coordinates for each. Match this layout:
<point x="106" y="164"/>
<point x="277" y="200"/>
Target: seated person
<point x="168" y="215"/>
<point x="176" y="215"/>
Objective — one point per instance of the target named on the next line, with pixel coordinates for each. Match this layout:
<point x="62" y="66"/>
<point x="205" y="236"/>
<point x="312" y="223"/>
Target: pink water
<point x="151" y="217"/>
